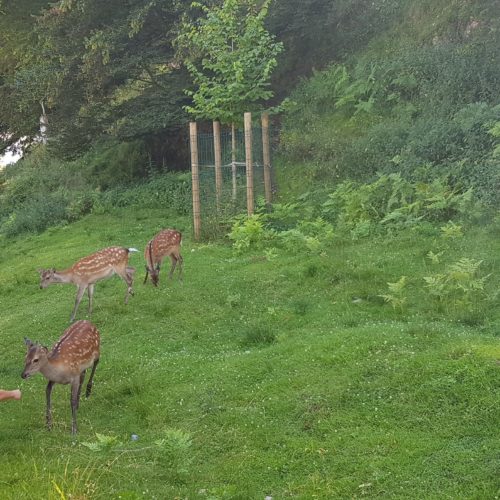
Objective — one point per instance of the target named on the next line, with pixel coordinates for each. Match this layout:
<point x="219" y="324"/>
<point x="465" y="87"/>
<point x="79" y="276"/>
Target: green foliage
<point x="451" y="230"/>
<point x="65" y="192"/>
<point x="248" y="232"/>
<point x="37" y="215"/>
<point x="391" y="202"/>
<point x="230" y="56"/>
<point x="305" y="27"/>
<point x="425" y="107"/>
<point x="103" y="443"/>
<point x="434" y="257"/>
<point x="175" y="452"/>
<point x="459" y="285"/>
<point x="160" y="191"/>
<point x="96" y="81"/>
<point x="116" y="164"/>
<point x="396" y="296"/>
<point x="294" y="234"/>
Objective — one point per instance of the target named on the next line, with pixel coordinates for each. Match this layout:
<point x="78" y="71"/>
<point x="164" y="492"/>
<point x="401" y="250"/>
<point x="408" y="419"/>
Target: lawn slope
<point x="285" y="376"/>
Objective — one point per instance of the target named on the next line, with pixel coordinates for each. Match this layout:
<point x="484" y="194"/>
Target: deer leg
<point x="128" y="275"/>
<point x="90" y="291"/>
<point x="147" y="274"/>
<point x="91" y="379"/>
<point x="79" y="295"/>
<point x="82" y="378"/>
<point x="180" y="262"/>
<point x="130" y="272"/>
<point x="48" y="413"/>
<point x="75" y="392"/>
<point x="173" y="259"/>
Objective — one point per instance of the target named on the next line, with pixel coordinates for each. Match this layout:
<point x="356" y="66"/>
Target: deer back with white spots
<point x="87" y="271"/>
<point x="66" y="363"/>
<point x="166" y="243"/>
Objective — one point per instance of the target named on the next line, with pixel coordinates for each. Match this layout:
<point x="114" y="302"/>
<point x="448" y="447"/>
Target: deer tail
<point x="132" y="249"/>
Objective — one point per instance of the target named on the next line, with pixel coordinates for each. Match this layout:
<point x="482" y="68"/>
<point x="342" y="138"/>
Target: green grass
<point x="289" y="377"/>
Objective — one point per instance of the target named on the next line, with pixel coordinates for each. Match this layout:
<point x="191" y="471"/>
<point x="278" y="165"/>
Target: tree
<point x="230" y="56"/>
<point x="104" y="70"/>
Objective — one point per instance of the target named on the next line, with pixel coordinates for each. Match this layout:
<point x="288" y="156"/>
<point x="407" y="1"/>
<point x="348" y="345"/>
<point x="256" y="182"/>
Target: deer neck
<point x="50" y="370"/>
<point x="66" y="276"/>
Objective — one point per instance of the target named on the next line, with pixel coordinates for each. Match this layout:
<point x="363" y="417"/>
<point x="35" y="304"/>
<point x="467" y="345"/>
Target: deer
<point x="65" y="363"/>
<point x="87" y="271"/>
<point x="166" y="243"/>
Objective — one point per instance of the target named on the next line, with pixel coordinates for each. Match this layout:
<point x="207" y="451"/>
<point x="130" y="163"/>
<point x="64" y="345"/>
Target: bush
<point x="425" y="109"/>
<point x="36" y="216"/>
<point x="392" y="202"/>
<point x="160" y="191"/>
<point x="36" y="209"/>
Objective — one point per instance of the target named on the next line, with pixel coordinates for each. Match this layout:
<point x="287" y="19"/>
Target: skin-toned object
<point x="5" y="395"/>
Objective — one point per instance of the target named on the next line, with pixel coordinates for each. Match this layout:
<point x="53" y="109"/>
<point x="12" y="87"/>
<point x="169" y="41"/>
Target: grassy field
<point x="285" y="376"/>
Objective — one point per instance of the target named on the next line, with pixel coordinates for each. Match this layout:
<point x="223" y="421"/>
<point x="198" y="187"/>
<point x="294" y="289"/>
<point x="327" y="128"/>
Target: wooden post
<point x="218" y="164"/>
<point x="193" y="139"/>
<point x="266" y="157"/>
<point x="233" y="159"/>
<point x="248" y="161"/>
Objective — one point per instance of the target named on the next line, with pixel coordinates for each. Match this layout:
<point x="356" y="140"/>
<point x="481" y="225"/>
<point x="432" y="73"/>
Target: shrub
<point x="37" y="209"/>
<point x="392" y="202"/>
<point x="459" y="285"/>
<point x="160" y="191"/>
<point x="430" y="103"/>
<point x="249" y="232"/>
<point x="36" y="216"/>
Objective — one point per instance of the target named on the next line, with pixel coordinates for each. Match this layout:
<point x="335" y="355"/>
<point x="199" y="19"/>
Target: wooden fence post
<point x="193" y="139"/>
<point x="218" y="163"/>
<point x="248" y="161"/>
<point x="266" y="157"/>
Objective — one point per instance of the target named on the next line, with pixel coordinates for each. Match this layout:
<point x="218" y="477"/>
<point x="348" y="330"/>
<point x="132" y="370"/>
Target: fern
<point x="459" y="284"/>
<point x="396" y="296"/>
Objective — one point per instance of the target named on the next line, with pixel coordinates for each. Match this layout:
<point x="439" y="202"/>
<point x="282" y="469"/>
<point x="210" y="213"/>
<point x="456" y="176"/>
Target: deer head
<point x="47" y="277"/>
<point x="36" y="358"/>
<point x="155" y="274"/>
<point x="154" y="271"/>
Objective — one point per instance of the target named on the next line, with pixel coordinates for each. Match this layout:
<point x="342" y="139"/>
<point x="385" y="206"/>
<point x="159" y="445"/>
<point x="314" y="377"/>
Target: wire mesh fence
<point x="219" y="206"/>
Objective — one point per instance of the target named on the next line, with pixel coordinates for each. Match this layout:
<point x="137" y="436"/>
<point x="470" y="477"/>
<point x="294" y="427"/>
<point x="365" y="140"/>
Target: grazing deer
<point x="65" y="363"/>
<point x="100" y="265"/>
<point x="166" y="242"/>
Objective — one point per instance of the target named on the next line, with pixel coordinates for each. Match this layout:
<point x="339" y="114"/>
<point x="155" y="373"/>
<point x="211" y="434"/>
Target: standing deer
<point x="166" y="242"/>
<point x="65" y="363"/>
<point x="97" y="266"/>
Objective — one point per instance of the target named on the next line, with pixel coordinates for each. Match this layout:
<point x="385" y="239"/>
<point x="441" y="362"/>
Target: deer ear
<point x="28" y="342"/>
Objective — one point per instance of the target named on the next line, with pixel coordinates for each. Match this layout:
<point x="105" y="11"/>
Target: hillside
<point x="341" y="343"/>
<point x="421" y="99"/>
<point x="262" y="374"/>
